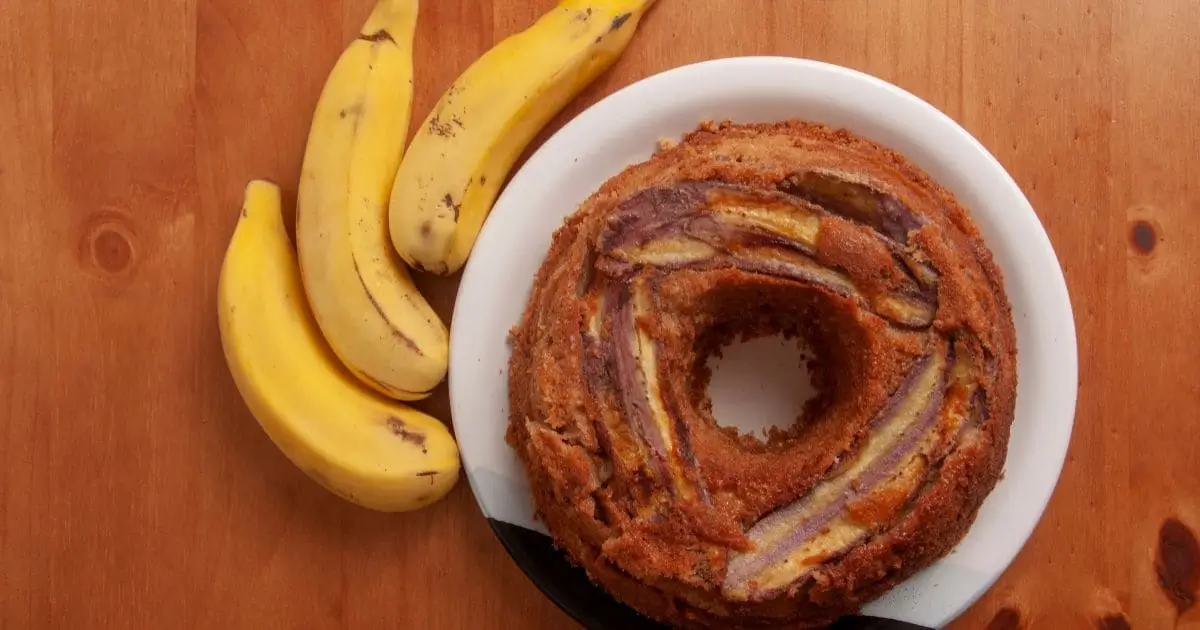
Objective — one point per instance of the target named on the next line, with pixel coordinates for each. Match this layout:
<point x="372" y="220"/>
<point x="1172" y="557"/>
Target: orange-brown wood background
<point x="137" y="491"/>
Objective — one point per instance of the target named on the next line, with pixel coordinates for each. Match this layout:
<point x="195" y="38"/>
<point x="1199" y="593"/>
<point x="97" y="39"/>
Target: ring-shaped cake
<point x="789" y="228"/>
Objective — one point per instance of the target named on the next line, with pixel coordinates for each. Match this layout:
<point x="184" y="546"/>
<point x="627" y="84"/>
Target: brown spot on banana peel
<point x="619" y="21"/>
<point x="400" y="429"/>
<point x="378" y="36"/>
<point x="428" y="473"/>
<point x="449" y="202"/>
<point x="441" y="129"/>
<point x="354" y="110"/>
<point x="379" y="309"/>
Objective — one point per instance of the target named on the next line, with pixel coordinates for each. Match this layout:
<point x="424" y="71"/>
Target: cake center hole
<point x="761" y="383"/>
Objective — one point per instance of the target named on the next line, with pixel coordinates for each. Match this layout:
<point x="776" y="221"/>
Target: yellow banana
<point x="368" y="449"/>
<point x="463" y="152"/>
<point x="364" y="300"/>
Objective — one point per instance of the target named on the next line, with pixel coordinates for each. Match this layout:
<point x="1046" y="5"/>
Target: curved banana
<point x="360" y="291"/>
<point x="372" y="451"/>
<point x="461" y="155"/>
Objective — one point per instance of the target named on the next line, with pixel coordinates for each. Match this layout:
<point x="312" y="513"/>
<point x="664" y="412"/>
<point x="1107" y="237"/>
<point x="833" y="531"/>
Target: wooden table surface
<point x="136" y="491"/>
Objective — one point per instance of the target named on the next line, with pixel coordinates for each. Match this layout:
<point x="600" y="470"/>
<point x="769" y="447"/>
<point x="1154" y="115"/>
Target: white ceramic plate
<point x="623" y="129"/>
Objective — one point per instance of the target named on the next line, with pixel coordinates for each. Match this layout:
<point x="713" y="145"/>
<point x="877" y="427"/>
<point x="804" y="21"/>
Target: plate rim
<point x="1054" y="283"/>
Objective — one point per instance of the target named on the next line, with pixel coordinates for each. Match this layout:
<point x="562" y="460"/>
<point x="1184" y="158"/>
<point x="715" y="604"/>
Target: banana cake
<point x="788" y="228"/>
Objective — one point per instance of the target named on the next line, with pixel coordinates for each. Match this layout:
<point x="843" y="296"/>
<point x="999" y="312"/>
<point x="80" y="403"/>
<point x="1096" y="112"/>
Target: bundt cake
<point x="743" y="230"/>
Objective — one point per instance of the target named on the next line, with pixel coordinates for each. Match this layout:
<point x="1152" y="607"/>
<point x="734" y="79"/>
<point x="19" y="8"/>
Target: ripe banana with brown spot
<point x="368" y="449"/>
<point x="463" y="152"/>
<point x="363" y="297"/>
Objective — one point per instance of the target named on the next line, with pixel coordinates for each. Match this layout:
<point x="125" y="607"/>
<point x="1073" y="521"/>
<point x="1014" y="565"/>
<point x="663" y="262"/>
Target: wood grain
<point x="135" y="489"/>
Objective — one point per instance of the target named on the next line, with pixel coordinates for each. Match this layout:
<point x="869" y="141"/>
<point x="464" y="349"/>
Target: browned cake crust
<point x="790" y="228"/>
